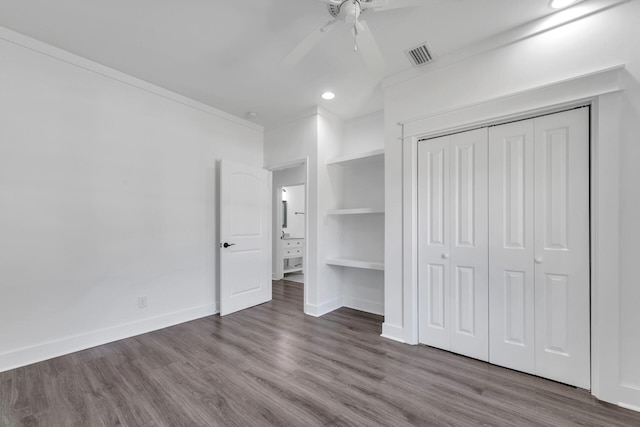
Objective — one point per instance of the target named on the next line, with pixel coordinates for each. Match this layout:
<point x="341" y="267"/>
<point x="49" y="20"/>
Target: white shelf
<point x="354" y="158"/>
<point x="357" y="263"/>
<point x="354" y="211"/>
<point x="292" y="270"/>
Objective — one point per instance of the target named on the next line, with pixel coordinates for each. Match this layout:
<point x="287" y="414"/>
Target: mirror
<point x="284" y="214"/>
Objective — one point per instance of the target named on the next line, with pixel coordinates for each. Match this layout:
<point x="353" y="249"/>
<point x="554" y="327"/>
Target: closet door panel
<point x="562" y="247"/>
<point x="433" y="243"/>
<point x="511" y="246"/>
<point x="469" y="245"/>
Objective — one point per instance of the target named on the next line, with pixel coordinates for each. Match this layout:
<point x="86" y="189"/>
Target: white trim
<point x="360" y="304"/>
<point x="309" y="112"/>
<point x="627" y="406"/>
<point x="410" y="240"/>
<point x="356" y="211"/>
<point x="393" y="332"/>
<point x="602" y="91"/>
<point x="288" y="164"/>
<point x="605" y="277"/>
<point x="38" y="353"/>
<point x="321" y="111"/>
<point x="515" y="106"/>
<point x="279" y="273"/>
<point x="355" y="263"/>
<point x="324" y="308"/>
<point x="593" y="238"/>
<point x="356" y="157"/>
<point x="94" y="67"/>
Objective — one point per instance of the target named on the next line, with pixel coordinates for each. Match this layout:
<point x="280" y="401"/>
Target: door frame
<point x="287" y="165"/>
<point x="601" y="91"/>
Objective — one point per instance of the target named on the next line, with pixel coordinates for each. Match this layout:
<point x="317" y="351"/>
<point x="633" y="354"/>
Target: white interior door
<point x="433" y="243"/>
<point x="511" y="246"/>
<point x="452" y="226"/>
<point x="245" y="236"/>
<point x="562" y="247"/>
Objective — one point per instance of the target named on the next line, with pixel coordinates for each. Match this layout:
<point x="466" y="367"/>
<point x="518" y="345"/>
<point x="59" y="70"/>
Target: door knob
<point x="445" y="256"/>
<point x="226" y="245"/>
<point x="538" y="260"/>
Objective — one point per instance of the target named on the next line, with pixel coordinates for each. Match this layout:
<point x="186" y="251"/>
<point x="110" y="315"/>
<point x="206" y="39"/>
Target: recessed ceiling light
<point x="328" y="95"/>
<point x="559" y="4"/>
<point x="250" y="115"/>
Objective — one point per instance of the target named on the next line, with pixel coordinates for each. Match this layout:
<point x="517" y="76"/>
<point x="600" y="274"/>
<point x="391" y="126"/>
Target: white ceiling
<point x="227" y="53"/>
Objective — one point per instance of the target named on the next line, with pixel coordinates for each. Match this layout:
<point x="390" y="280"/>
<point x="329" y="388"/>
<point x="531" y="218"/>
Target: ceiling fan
<point x="350" y="11"/>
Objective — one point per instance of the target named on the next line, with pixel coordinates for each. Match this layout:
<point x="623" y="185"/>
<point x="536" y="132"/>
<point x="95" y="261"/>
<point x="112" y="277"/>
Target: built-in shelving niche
<point x="360" y="217"/>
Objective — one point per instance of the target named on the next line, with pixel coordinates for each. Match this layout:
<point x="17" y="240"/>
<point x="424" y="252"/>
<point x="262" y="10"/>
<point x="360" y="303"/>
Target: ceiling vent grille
<point x="420" y="55"/>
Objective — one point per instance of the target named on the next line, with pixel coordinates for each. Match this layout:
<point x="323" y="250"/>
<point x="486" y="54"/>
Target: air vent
<point x="420" y="55"/>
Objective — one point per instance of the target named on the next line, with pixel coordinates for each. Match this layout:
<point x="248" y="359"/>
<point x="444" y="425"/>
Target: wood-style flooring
<point x="272" y="365"/>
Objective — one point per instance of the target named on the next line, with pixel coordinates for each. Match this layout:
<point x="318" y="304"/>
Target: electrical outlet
<point x="142" y="302"/>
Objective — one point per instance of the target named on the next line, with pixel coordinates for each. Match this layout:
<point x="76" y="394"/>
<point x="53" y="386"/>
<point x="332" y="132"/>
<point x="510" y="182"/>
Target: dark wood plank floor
<point x="272" y="365"/>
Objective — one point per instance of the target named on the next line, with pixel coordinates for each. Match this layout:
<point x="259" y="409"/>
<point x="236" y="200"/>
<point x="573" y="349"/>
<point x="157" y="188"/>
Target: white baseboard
<point x="364" y="305"/>
<point x="628" y="406"/>
<point x="322" y="309"/>
<point x="38" y="353"/>
<point x="392" y="332"/>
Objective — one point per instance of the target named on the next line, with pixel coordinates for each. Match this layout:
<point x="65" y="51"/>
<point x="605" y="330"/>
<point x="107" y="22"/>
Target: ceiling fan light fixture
<point x="328" y="95"/>
<point x="350" y="10"/>
<point x="559" y="4"/>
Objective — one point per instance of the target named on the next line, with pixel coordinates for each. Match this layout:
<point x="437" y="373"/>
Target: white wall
<point x="586" y="45"/>
<point x="365" y="133"/>
<point x="294" y="141"/>
<point x="107" y="193"/>
<point x="330" y="137"/>
<point x="293" y="175"/>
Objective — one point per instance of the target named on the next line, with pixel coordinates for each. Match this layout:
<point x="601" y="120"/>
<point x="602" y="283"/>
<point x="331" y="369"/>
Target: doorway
<point x="290" y="224"/>
<point x="292" y="234"/>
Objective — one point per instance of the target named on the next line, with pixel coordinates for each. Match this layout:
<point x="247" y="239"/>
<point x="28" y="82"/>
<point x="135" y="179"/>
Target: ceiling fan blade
<point x="393" y="4"/>
<point x="369" y="49"/>
<point x="335" y="2"/>
<point x="306" y="45"/>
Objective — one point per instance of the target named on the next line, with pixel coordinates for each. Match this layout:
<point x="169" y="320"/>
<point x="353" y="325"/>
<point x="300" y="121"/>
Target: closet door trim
<point x="602" y="89"/>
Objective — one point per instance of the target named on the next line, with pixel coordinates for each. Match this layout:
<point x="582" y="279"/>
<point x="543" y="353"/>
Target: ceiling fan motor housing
<point x="347" y="11"/>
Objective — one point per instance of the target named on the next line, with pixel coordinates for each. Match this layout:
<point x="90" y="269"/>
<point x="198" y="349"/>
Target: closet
<point x="503" y="245"/>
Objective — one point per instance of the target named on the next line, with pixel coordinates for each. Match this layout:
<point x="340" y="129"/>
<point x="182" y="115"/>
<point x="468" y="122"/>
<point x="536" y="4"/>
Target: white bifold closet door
<point x="539" y="246"/>
<point x="452" y="227"/>
<point x="511" y="246"/>
<point x="503" y="245"/>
